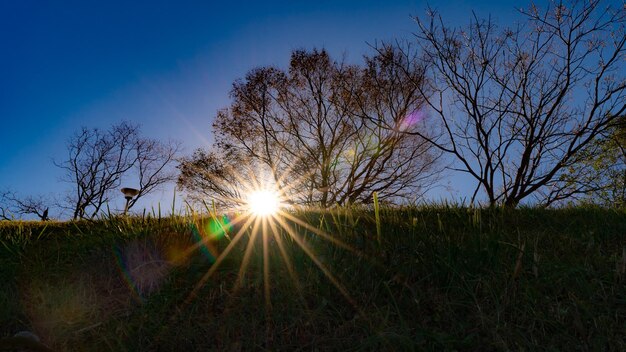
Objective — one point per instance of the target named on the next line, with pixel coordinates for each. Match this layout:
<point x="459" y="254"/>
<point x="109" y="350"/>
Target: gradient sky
<point x="167" y="65"/>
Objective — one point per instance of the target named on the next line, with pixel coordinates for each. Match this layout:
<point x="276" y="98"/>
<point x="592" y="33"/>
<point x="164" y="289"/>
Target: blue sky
<point x="167" y="65"/>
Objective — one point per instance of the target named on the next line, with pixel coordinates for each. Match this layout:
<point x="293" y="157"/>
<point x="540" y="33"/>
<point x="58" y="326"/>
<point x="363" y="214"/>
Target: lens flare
<point x="410" y="120"/>
<point x="142" y="266"/>
<point x="263" y="203"/>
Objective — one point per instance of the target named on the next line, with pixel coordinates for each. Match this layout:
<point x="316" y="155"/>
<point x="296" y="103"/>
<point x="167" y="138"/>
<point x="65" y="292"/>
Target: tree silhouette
<point x="13" y="206"/>
<point x="97" y="160"/>
<point x="518" y="105"/>
<point x="305" y="131"/>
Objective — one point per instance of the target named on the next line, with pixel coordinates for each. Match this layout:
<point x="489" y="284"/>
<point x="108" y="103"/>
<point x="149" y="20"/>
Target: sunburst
<point x="263" y="210"/>
<point x="264" y="203"/>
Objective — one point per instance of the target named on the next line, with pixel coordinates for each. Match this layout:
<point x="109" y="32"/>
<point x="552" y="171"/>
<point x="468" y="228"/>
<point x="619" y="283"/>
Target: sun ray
<point x="246" y="257"/>
<point x="319" y="264"/>
<point x="372" y="260"/>
<point x="205" y="239"/>
<point x="288" y="262"/>
<point x="324" y="235"/>
<point x="219" y="260"/>
<point x="266" y="266"/>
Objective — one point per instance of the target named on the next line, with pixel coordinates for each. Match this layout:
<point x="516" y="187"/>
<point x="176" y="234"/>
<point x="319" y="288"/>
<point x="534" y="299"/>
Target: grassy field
<point x="428" y="278"/>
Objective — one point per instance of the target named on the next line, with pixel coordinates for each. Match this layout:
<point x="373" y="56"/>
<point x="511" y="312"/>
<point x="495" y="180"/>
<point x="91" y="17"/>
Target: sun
<point x="263" y="203"/>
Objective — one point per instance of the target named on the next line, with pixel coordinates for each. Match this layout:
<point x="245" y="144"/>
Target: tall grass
<point x="413" y="278"/>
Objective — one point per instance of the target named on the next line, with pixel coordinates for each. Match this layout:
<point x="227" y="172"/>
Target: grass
<point x="427" y="278"/>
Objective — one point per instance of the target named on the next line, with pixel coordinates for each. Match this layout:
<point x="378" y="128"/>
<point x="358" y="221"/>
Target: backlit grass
<point x="428" y="278"/>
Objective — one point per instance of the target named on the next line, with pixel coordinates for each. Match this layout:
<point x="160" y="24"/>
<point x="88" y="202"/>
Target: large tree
<point x="313" y="132"/>
<point x="517" y="104"/>
<point x="98" y="160"/>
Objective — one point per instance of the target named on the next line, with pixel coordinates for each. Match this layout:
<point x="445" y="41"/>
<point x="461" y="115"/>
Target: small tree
<point x="153" y="166"/>
<point x="97" y="160"/>
<point x="12" y="206"/>
<point x="33" y="205"/>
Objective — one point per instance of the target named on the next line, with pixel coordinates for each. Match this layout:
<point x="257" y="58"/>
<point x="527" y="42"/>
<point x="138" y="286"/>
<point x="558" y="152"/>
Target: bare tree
<point x="98" y="159"/>
<point x="33" y="205"/>
<point x="304" y="131"/>
<point x="516" y="106"/>
<point x="153" y="166"/>
<point x="13" y="206"/>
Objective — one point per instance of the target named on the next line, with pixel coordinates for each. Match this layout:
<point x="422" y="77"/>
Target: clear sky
<point x="167" y="65"/>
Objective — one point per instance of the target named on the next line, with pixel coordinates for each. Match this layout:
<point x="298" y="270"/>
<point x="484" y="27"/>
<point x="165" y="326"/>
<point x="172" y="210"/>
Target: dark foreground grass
<point x="439" y="279"/>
